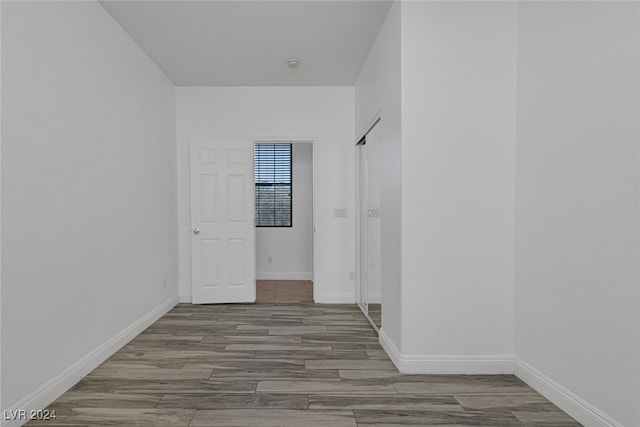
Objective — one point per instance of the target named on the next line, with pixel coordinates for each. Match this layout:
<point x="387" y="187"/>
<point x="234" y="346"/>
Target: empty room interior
<point x="349" y="213"/>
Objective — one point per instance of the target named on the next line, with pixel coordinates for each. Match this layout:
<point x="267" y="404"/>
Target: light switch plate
<point x="340" y="212"/>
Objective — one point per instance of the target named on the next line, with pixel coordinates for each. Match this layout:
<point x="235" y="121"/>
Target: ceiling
<point x="247" y="43"/>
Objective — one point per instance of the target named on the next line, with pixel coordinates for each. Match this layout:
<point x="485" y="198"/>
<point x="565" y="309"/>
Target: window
<point x="272" y="163"/>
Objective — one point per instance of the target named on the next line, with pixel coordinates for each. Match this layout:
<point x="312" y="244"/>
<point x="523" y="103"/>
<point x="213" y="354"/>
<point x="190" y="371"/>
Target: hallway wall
<point x="89" y="245"/>
<point x="577" y="214"/>
<point x="458" y="178"/>
<point x="322" y="114"/>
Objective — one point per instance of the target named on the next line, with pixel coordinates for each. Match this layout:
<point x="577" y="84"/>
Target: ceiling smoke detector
<point x="293" y="62"/>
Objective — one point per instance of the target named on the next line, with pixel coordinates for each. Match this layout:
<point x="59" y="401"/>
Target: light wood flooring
<point x="283" y="364"/>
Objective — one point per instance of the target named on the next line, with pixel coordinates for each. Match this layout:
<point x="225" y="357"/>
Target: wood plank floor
<point x="284" y="364"/>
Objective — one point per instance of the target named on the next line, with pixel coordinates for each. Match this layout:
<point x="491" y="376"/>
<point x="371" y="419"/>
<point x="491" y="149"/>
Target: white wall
<point x="1" y="406"/>
<point x="377" y="90"/>
<point x="286" y="253"/>
<point x="88" y="195"/>
<point x="577" y="215"/>
<point x="458" y="118"/>
<point x="323" y="114"/>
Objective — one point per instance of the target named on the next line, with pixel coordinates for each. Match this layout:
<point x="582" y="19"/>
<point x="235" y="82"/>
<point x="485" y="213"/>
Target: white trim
<point x="53" y="389"/>
<point x="581" y="410"/>
<point x="284" y="276"/>
<point x="374" y="121"/>
<point x="374" y="298"/>
<point x="334" y="298"/>
<point x="477" y="364"/>
<point x="390" y="348"/>
<point x="584" y="412"/>
<point x="185" y="297"/>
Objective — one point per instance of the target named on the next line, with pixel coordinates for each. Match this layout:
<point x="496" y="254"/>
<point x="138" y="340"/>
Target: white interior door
<point x="222" y="223"/>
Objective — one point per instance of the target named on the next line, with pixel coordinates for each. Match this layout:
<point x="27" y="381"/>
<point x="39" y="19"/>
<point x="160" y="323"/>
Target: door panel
<point x="373" y="151"/>
<point x="209" y="197"/>
<point x="369" y="165"/>
<point x="236" y="193"/>
<point x="223" y="233"/>
<point x="237" y="261"/>
<point x="210" y="262"/>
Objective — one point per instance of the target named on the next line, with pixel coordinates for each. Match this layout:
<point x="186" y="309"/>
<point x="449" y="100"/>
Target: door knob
<point x="196" y="230"/>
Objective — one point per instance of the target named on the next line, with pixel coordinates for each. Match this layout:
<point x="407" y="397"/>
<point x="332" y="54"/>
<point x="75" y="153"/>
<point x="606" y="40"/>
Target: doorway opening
<point x="284" y="209"/>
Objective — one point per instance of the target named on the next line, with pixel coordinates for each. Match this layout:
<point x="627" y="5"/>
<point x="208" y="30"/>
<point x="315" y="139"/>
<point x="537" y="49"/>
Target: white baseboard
<point x="584" y="412"/>
<point x="334" y="298"/>
<point x="390" y="348"/>
<point x="185" y="298"/>
<point x="476" y="364"/>
<point x="284" y="276"/>
<point x="47" y="393"/>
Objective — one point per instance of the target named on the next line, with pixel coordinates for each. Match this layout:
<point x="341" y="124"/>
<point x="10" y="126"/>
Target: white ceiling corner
<point x="247" y="43"/>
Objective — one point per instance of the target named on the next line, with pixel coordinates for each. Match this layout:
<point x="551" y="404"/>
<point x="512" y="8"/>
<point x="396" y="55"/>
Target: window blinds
<point x="272" y="163"/>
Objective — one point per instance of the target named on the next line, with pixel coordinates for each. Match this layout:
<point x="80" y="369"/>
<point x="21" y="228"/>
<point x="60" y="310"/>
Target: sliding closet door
<point x="369" y="239"/>
<point x="363" y="269"/>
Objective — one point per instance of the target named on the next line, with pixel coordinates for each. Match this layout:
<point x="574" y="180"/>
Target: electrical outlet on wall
<point x="270" y="260"/>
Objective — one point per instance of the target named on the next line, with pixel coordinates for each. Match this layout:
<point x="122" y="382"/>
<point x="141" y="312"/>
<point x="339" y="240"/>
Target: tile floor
<point x="284" y="364"/>
<point x="284" y="290"/>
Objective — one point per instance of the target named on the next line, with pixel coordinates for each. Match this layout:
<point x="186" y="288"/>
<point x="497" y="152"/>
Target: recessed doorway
<point x="284" y="291"/>
<point x="284" y="209"/>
